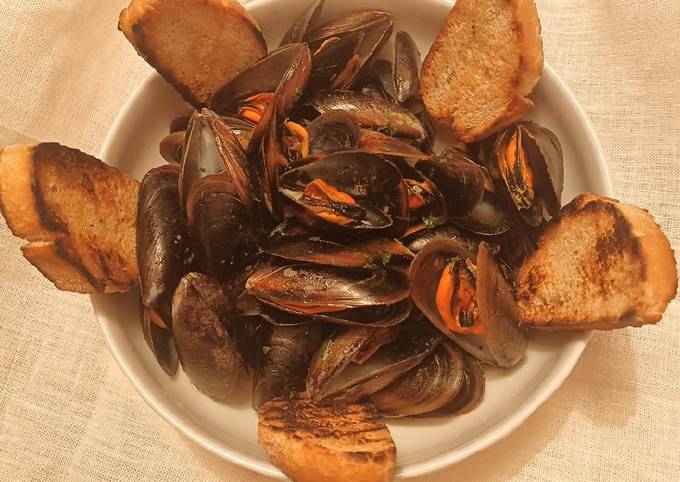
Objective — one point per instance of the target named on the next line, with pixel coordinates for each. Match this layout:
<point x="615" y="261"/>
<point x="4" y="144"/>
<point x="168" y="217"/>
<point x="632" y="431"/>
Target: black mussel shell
<point x="489" y="217"/>
<point x="504" y="343"/>
<point x="160" y="341"/>
<point x="221" y="227"/>
<point x="373" y="112"/>
<point x="381" y="144"/>
<point x="302" y="24"/>
<point x="333" y="132"/>
<point x="163" y="248"/>
<point x="417" y="241"/>
<point x="206" y="349"/>
<point x="282" y="370"/>
<point x="172" y="147"/>
<point x="431" y="385"/>
<point x="406" y="67"/>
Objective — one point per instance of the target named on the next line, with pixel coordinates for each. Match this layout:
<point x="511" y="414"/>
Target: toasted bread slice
<point x="310" y="443"/>
<point x="78" y="214"/>
<point x="486" y="60"/>
<point x="196" y="45"/>
<point x="603" y="265"/>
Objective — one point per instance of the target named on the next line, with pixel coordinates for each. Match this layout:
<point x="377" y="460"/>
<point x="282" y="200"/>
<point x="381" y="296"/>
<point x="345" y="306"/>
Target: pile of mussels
<point x="309" y="230"/>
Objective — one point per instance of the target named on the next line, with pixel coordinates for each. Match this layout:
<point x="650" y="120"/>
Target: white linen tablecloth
<point x="67" y="413"/>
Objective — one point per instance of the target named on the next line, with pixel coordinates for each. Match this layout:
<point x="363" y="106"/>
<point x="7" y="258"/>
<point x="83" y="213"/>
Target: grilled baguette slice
<point x="311" y="443"/>
<point x="196" y="45"/>
<point x="603" y="265"/>
<point x="486" y="60"/>
<point x="77" y="213"/>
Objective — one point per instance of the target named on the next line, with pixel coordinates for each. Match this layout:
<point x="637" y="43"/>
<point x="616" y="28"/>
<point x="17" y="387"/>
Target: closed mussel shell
<point x="163" y="249"/>
<point x="206" y="349"/>
<point x="160" y="342"/>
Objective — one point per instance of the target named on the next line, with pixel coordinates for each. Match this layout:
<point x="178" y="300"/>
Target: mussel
<point x="211" y="147"/>
<point x="464" y="294"/>
<point x="373" y="112"/>
<point x="348" y="191"/>
<point x="430" y="386"/>
<point x="469" y="193"/>
<point x="172" y="147"/>
<point x="415" y="341"/>
<point x="417" y="241"/>
<point x="285" y="360"/>
<point x="221" y="226"/>
<point x="304" y="21"/>
<point x="206" y="349"/>
<point x="372" y="27"/>
<point x="333" y="132"/>
<point x="379" y="143"/>
<point x="406" y="67"/>
<point x="371" y="252"/>
<point x="160" y="341"/>
<point x="163" y="250"/>
<point x="528" y="161"/>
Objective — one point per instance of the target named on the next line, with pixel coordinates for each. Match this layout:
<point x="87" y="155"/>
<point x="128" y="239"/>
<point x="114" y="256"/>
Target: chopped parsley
<point x="429" y="222"/>
<point x="266" y="349"/>
<point x="385" y="257"/>
<point x="278" y="230"/>
<point x="326" y="348"/>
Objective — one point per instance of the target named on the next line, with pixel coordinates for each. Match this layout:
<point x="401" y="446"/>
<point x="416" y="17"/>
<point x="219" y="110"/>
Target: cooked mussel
<point x="348" y="191"/>
<point x="335" y="62"/>
<point x="359" y="254"/>
<point x="263" y="77"/>
<point x="212" y="147"/>
<point x="206" y="349"/>
<point x="179" y="124"/>
<point x="172" y="147"/>
<point x="374" y="28"/>
<point x="316" y="289"/>
<point x="431" y="385"/>
<point x="417" y="241"/>
<point x="160" y="341"/>
<point x="379" y="143"/>
<point x="416" y="340"/>
<point x="333" y="132"/>
<point x="163" y="249"/>
<point x="406" y="67"/>
<point x="304" y="21"/>
<point x="221" y="226"/>
<point x="464" y="294"/>
<point x="285" y="360"/>
<point x="373" y="112"/>
<point x="528" y="160"/>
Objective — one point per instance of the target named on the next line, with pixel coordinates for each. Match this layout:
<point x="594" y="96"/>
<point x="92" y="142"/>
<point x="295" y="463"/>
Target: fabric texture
<point x="67" y="413"/>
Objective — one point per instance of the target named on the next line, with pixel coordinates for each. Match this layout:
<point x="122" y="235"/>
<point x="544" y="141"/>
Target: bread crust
<point x="77" y="213"/>
<point x="193" y="77"/>
<point x="521" y="76"/>
<point x="327" y="444"/>
<point x="637" y="240"/>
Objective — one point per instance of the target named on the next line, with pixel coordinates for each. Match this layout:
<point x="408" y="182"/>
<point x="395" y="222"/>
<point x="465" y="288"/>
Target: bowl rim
<point x="439" y="461"/>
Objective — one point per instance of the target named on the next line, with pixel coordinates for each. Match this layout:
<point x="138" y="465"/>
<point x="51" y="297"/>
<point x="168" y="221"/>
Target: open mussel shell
<point x="427" y="206"/>
<point x="282" y="370"/>
<point x="315" y="289"/>
<point x="304" y="21"/>
<point x="406" y="67"/>
<point x="490" y="217"/>
<point x="504" y="343"/>
<point x="528" y="161"/>
<point x="358" y="254"/>
<point x="179" y="124"/>
<point x="206" y="350"/>
<point x="375" y="28"/>
<point x="262" y="77"/>
<point x="333" y="57"/>
<point x="333" y="132"/>
<point x="376" y="142"/>
<point x="172" y="147"/>
<point x="471" y="392"/>
<point x="417" y="241"/>
<point x="221" y="226"/>
<point x="163" y="248"/>
<point x="378" y="79"/>
<point x="378" y="196"/>
<point x="416" y="340"/>
<point x="373" y="112"/>
<point x="212" y="147"/>
<point x="431" y="385"/>
<point x="160" y="341"/>
<point x="460" y="180"/>
<point x="243" y="129"/>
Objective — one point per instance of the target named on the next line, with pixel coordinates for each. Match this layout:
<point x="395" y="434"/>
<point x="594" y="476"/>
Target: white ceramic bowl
<point x="423" y="445"/>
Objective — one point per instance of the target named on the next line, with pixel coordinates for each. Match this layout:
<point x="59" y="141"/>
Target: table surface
<point x="67" y="413"/>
